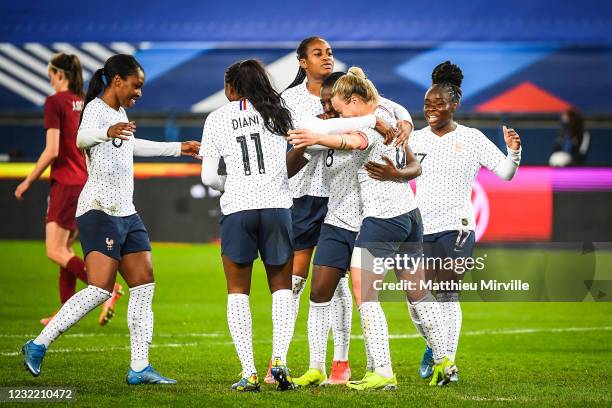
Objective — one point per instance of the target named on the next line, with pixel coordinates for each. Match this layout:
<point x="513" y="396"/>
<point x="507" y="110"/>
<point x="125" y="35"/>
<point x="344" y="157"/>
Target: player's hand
<point x="302" y="138"/>
<point x="386" y="171"/>
<point x="122" y="130"/>
<point x="404" y="129"/>
<point x="513" y="140"/>
<point x="191" y="148"/>
<point x="22" y="188"/>
<point x="386" y="130"/>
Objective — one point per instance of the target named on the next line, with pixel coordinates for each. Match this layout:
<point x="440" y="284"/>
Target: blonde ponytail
<point x="355" y="83"/>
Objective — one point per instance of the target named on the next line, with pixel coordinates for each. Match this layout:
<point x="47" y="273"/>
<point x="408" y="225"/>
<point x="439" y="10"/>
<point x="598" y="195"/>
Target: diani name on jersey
<point x="245" y="122"/>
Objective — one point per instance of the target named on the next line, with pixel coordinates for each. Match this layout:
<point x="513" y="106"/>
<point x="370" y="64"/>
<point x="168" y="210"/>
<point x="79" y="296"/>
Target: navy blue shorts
<point x="449" y="244"/>
<point x="386" y="237"/>
<point x="335" y="247"/>
<point x="308" y="214"/>
<point x="112" y="236"/>
<point x="266" y="230"/>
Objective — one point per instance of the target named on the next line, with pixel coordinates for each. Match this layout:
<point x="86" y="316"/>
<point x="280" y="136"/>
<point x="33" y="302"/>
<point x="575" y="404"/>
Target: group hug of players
<point x="342" y="187"/>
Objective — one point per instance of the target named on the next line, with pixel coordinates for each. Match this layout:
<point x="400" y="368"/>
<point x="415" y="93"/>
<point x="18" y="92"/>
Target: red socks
<point x="68" y="276"/>
<point x="67" y="285"/>
<point x="76" y="266"/>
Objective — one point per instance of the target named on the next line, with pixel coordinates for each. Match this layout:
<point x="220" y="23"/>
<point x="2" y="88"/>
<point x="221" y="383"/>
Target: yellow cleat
<point x="443" y="372"/>
<point x="312" y="377"/>
<point x="374" y="381"/>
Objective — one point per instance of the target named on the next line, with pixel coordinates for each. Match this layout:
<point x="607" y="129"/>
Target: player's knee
<point x="54" y="254"/>
<point x="320" y="294"/>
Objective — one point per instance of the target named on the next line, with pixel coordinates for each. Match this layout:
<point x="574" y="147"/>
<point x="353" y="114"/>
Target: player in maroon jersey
<point x="68" y="175"/>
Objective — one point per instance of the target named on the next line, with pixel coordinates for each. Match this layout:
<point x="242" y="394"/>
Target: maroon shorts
<point x="63" y="199"/>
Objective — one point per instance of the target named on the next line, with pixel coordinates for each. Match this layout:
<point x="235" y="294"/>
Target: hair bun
<point x="447" y="72"/>
<point x="358" y="72"/>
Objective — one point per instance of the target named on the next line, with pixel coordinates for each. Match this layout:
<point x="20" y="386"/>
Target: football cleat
<point x="340" y="373"/>
<point x="269" y="379"/>
<point x="373" y="381"/>
<point x="281" y="375"/>
<point x="312" y="377"/>
<point x="427" y="364"/>
<point x="147" y="376"/>
<point x="108" y="307"/>
<point x="34" y="354"/>
<point x="250" y="384"/>
<point x="442" y="372"/>
<point x="454" y="378"/>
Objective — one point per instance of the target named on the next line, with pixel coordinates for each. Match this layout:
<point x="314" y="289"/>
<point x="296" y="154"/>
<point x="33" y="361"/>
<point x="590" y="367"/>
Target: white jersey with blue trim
<point x="110" y="165"/>
<point x="255" y="158"/>
<point x="309" y="180"/>
<point x="384" y="199"/>
<point x="450" y="164"/>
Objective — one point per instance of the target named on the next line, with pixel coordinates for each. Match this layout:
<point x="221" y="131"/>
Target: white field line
<point x="68" y="335"/>
<point x="105" y="349"/>
<point x="299" y="338"/>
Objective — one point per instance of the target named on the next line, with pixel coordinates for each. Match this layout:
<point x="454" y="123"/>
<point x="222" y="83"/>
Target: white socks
<point x="451" y="313"/>
<point x="140" y="323"/>
<point x="376" y="337"/>
<point x="71" y="312"/>
<point x="297" y="287"/>
<point x="283" y="322"/>
<point x="430" y="315"/>
<point x="318" y="328"/>
<point x="341" y="319"/>
<point x="417" y="321"/>
<point x="241" y="329"/>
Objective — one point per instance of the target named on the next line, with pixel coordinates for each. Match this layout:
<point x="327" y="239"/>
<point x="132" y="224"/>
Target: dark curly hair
<point x="449" y="77"/>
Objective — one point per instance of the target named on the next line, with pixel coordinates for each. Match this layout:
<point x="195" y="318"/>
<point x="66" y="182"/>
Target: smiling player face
<point x="438" y="108"/>
<point x="319" y="61"/>
<point x="129" y="90"/>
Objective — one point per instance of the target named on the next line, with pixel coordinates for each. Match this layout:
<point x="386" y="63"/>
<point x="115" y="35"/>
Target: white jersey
<point x="110" y="165"/>
<point x="450" y="164"/>
<point x="309" y="180"/>
<point x="340" y="175"/>
<point x="384" y="199"/>
<point x="344" y="205"/>
<point x="255" y="158"/>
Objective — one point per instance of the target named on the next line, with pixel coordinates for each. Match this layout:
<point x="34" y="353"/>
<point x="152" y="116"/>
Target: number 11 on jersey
<point x="245" y="153"/>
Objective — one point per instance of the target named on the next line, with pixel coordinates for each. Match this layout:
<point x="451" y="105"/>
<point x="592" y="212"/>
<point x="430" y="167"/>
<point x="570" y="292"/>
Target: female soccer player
<point x="334" y="247"/>
<point x="112" y="235"/>
<point x="248" y="134"/>
<point x="311" y="192"/>
<point x="391" y="219"/>
<point x="68" y="175"/>
<point x="451" y="156"/>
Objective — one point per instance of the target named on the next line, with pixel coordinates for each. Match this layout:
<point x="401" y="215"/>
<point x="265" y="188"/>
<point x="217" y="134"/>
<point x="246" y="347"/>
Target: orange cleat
<point x="108" y="307"/>
<point x="340" y="373"/>
<point x="269" y="378"/>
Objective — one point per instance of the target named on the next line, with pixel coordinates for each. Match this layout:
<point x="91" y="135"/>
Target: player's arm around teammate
<point x="248" y="133"/>
<point x="451" y="155"/>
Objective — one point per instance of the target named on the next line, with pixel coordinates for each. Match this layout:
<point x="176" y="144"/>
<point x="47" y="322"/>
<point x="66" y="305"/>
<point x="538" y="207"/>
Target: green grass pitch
<point x="536" y="354"/>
